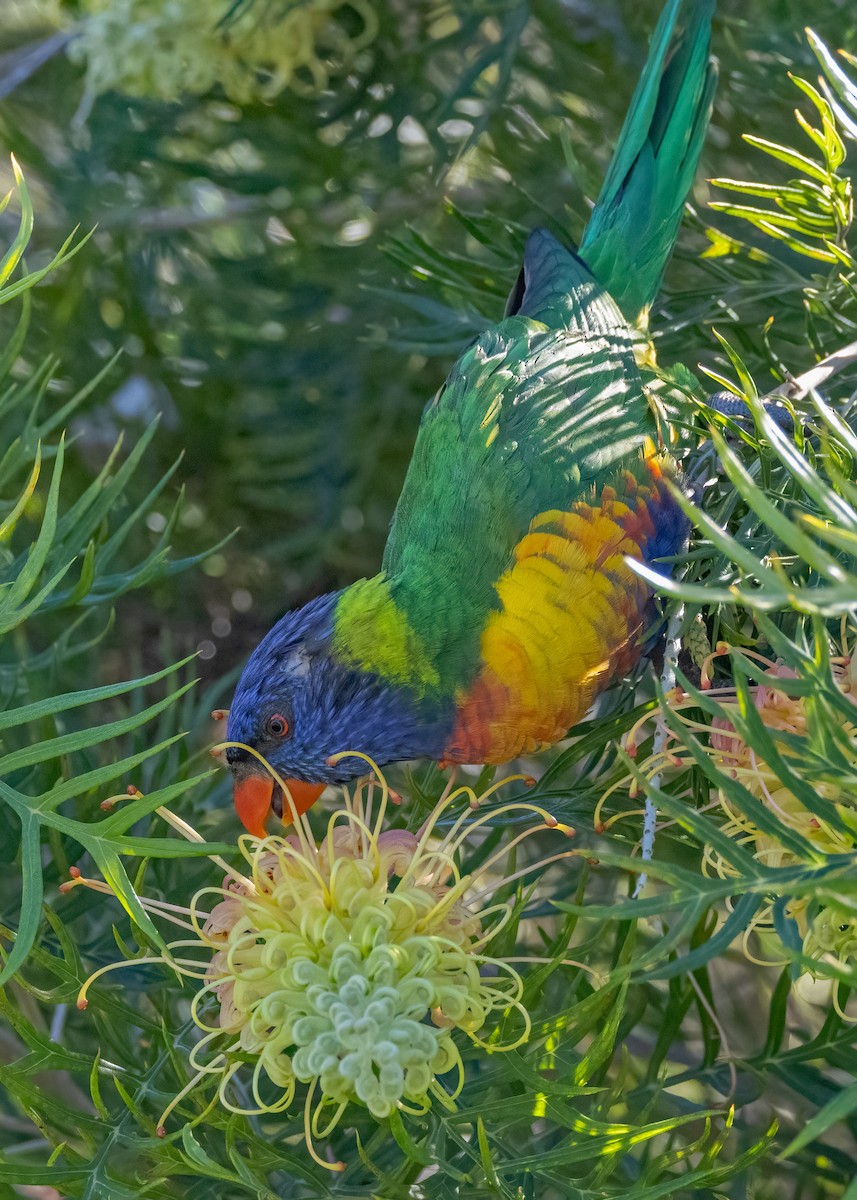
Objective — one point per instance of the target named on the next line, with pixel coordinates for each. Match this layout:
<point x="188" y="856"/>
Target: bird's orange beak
<point x="254" y="796"/>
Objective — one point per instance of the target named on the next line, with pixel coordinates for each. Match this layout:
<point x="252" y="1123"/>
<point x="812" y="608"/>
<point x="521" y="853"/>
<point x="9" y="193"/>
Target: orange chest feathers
<point x="570" y="618"/>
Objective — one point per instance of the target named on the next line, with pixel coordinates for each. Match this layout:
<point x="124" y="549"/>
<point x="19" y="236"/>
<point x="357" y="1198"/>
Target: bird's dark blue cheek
<point x="276" y="754"/>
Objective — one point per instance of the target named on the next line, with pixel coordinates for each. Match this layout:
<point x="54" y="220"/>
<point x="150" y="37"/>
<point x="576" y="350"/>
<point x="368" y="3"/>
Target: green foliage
<point x="58" y="564"/>
<point x="670" y="1063"/>
<point x="811" y="215"/>
<point x="557" y="1082"/>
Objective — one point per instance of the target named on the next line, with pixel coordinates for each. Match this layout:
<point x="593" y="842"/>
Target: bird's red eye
<point x="277" y="726"/>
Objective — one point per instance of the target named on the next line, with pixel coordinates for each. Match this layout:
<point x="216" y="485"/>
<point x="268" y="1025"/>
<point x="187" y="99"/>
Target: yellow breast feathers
<point x="570" y="618"/>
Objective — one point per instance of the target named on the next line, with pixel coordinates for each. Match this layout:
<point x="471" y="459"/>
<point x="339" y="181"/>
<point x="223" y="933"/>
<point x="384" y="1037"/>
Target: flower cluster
<point x="831" y="932"/>
<point x="163" y="49"/>
<point x="348" y="964"/>
<point x="779" y="712"/>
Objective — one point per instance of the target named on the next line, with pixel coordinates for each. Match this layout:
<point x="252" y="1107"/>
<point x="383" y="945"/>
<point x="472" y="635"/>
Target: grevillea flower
<point x="163" y="49"/>
<point x="349" y="964"/>
<point x="780" y="713"/>
<point x="832" y="938"/>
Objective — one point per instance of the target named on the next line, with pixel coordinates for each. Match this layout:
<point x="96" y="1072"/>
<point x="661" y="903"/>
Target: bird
<point x="505" y="603"/>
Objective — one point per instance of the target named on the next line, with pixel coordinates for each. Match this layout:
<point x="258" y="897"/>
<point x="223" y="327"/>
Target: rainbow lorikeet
<point x="505" y="604"/>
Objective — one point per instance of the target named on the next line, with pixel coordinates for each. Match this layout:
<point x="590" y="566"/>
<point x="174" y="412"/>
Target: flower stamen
<point x="349" y="964"/>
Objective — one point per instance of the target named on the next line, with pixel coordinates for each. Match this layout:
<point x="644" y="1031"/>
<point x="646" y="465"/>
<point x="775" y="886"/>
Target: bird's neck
<point x="372" y="633"/>
<point x="397" y="710"/>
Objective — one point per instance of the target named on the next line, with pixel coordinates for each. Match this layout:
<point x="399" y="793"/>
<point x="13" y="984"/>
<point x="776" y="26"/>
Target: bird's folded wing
<point x="531" y="420"/>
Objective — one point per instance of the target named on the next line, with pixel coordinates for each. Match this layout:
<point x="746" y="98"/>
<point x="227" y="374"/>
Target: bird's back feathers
<point x="528" y="421"/>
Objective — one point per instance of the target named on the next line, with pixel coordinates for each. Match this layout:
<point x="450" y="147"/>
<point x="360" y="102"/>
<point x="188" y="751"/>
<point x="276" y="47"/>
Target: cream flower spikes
<point x="165" y="49"/>
<point x="347" y="965"/>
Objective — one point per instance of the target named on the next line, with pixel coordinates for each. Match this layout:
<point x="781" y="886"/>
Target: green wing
<point x="528" y="419"/>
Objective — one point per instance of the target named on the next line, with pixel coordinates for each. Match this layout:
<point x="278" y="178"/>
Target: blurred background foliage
<point x="287" y="267"/>
<point x="246" y="259"/>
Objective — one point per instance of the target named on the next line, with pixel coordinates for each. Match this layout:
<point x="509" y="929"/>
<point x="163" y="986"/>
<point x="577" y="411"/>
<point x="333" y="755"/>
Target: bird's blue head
<point x="298" y="704"/>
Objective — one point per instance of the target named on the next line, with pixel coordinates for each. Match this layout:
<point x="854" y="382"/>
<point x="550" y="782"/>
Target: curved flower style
<point x="349" y="963"/>
<point x="834" y="931"/>
<point x="162" y="49"/>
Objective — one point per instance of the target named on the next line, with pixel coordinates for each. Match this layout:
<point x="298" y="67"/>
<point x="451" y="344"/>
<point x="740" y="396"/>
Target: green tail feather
<point x="634" y="224"/>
